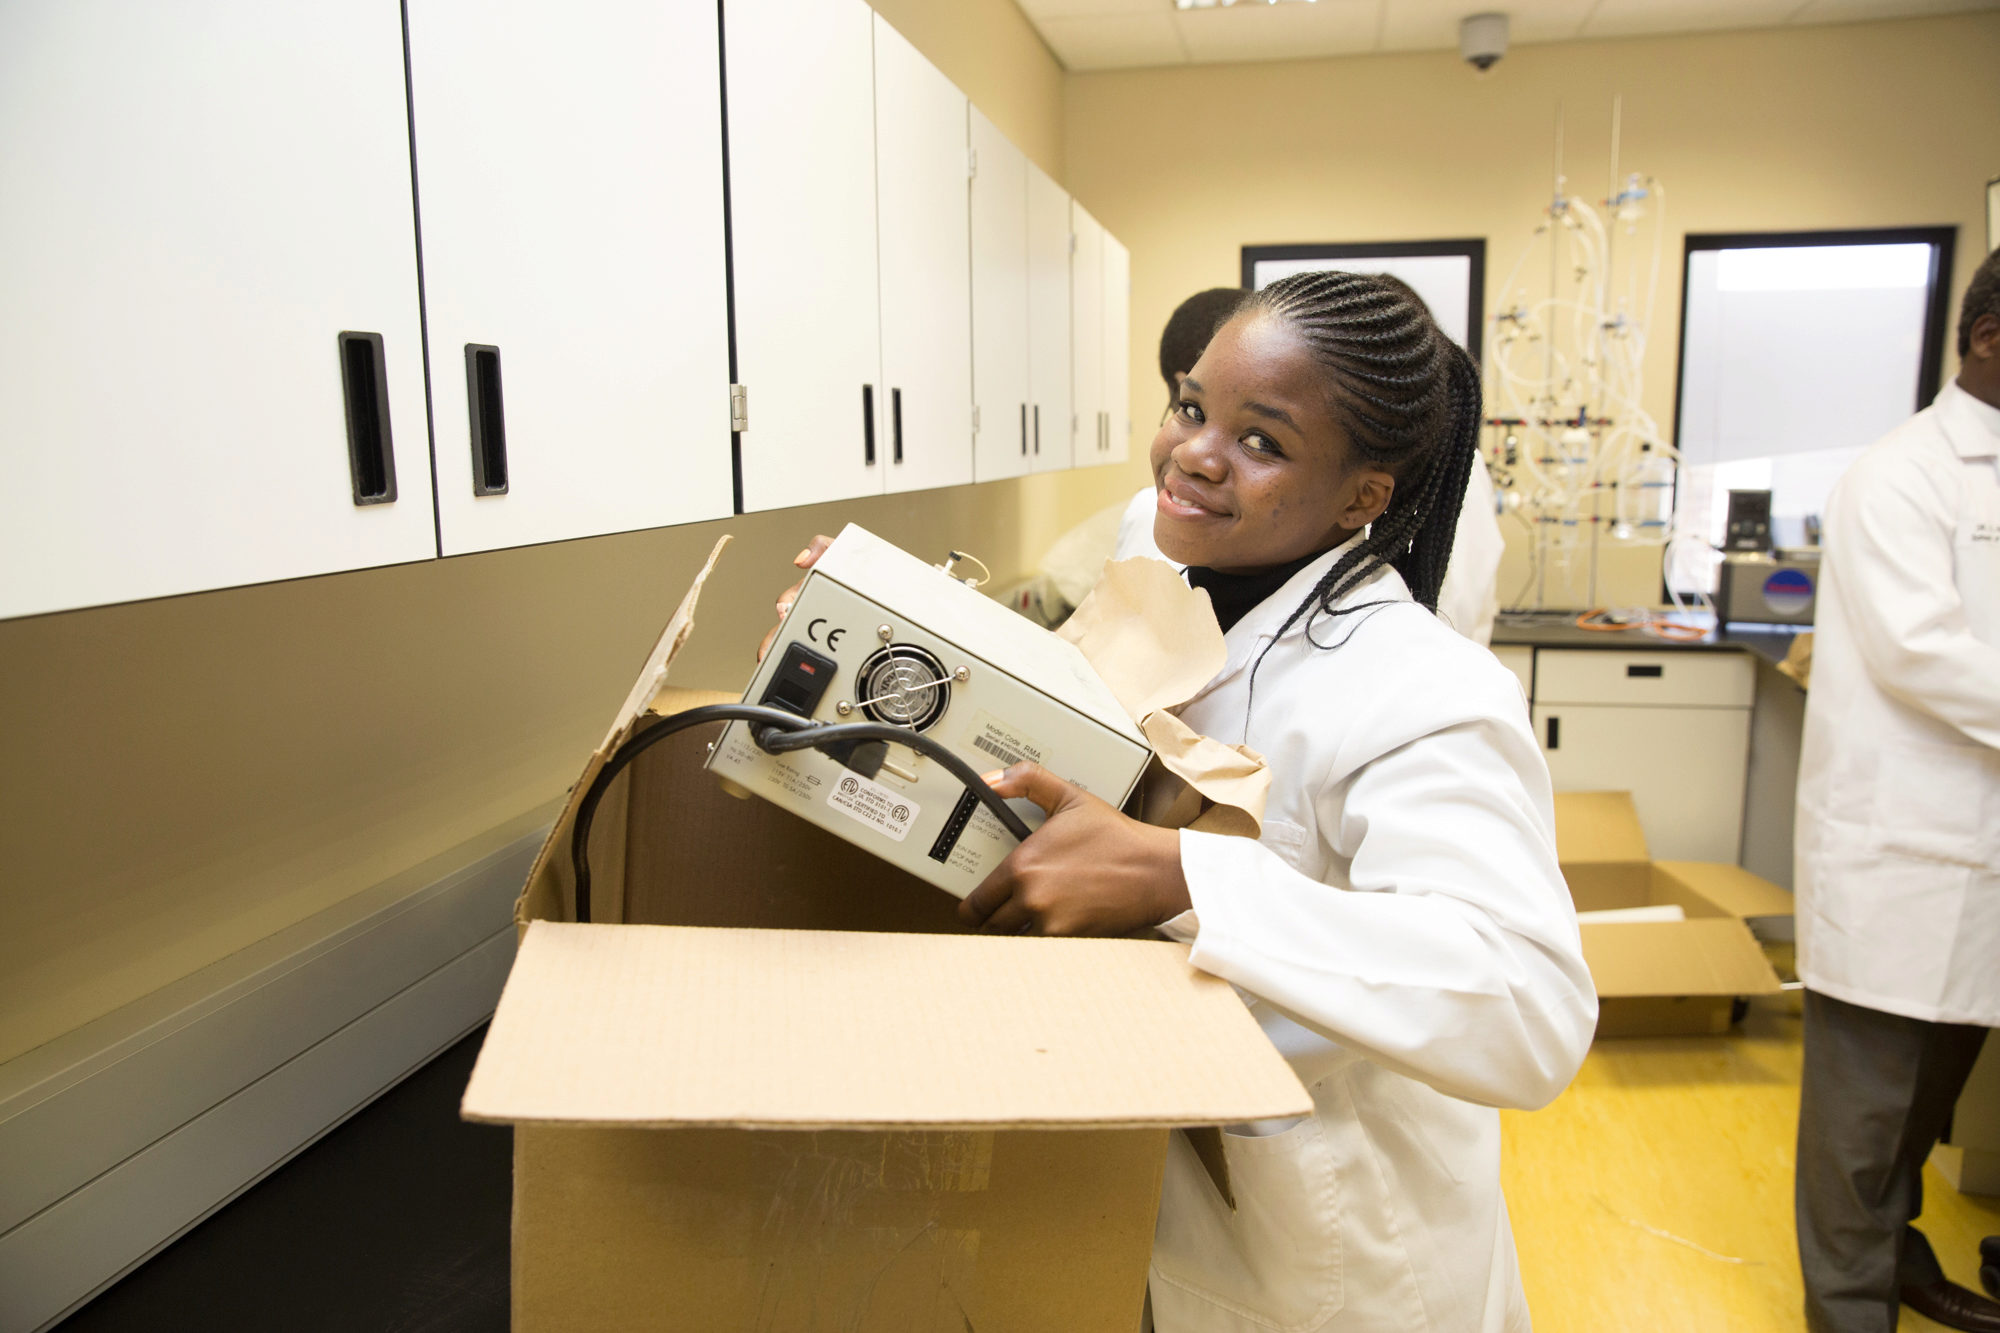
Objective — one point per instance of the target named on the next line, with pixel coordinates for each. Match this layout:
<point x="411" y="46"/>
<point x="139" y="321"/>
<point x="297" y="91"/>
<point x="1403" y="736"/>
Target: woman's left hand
<point x="1088" y="870"/>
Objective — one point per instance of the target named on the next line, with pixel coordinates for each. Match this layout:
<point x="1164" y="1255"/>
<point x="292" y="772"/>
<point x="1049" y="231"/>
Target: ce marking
<point x="832" y="639"/>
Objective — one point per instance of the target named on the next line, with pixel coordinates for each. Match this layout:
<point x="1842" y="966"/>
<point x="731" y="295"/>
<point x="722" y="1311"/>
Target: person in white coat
<point x="1469" y="601"/>
<point x="1898" y="840"/>
<point x="1400" y="926"/>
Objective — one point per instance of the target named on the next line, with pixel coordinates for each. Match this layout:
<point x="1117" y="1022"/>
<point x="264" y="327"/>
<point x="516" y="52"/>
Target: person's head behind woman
<point x="1329" y="403"/>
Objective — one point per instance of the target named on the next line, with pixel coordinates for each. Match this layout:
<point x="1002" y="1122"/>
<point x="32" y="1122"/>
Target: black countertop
<point x="1557" y="629"/>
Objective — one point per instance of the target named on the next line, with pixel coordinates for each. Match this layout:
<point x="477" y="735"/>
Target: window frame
<point x="1937" y="309"/>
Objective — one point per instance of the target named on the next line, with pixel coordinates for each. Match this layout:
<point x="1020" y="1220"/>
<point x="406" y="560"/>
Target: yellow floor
<point x="1656" y="1193"/>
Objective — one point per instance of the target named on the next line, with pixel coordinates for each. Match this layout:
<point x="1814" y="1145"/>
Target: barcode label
<point x="998" y="751"/>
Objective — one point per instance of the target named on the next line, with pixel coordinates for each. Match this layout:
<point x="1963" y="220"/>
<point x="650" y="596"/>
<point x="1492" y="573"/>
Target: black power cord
<point x="776" y="732"/>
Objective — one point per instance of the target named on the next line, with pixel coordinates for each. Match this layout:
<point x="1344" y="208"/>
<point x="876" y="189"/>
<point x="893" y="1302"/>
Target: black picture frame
<point x="1471" y="248"/>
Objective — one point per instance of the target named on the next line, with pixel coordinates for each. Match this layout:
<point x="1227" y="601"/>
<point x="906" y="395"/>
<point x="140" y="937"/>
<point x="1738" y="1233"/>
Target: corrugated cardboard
<point x="779" y="1087"/>
<point x="1665" y="977"/>
<point x="660" y="1026"/>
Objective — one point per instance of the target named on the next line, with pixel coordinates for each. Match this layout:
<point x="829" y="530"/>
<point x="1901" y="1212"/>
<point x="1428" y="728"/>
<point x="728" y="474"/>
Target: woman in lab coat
<point x="1400" y="927"/>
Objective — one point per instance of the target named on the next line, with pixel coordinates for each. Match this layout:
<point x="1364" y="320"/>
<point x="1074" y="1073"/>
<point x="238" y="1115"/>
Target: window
<point x="1449" y="275"/>
<point x="1798" y="350"/>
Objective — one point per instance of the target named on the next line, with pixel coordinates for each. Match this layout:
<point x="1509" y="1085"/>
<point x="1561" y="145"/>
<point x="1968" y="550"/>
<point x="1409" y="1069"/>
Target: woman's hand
<point x="805" y="559"/>
<point x="1088" y="870"/>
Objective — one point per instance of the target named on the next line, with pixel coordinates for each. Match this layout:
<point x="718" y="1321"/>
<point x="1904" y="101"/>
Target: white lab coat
<point x="1898" y="831"/>
<point x="1469" y="601"/>
<point x="1404" y="937"/>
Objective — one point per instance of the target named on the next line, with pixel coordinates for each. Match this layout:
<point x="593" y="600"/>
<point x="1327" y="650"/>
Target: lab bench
<point x="1704" y="733"/>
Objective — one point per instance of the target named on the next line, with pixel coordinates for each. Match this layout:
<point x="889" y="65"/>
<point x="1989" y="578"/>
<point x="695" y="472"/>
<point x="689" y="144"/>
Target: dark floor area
<point x="397" y="1221"/>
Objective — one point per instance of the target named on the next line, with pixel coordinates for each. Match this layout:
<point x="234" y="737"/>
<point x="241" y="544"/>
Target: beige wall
<point x="1880" y="124"/>
<point x="184" y="777"/>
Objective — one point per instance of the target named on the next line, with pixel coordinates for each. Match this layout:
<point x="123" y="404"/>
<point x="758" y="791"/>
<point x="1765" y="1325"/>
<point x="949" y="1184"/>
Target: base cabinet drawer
<point x="1685" y="769"/>
<point x="1640" y="678"/>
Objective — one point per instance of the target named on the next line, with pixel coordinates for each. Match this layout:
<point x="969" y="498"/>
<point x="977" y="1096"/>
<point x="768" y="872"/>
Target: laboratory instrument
<point x="952" y="684"/>
<point x="1575" y="457"/>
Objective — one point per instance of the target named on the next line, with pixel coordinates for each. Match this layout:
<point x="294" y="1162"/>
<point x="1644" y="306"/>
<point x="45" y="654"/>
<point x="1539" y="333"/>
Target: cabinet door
<point x="1684" y="767"/>
<point x="921" y="172"/>
<point x="1049" y="367"/>
<point x="1116" y="442"/>
<point x="576" y="235"/>
<point x="1000" y="393"/>
<point x="801" y="96"/>
<point x="200" y="199"/>
<point x="1086" y="325"/>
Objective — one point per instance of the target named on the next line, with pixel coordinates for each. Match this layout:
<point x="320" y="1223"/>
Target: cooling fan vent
<point x="905" y="686"/>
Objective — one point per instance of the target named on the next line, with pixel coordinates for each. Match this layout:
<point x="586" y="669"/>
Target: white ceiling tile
<point x="1431" y="25"/>
<point x="1040" y="9"/>
<point x="1112" y="34"/>
<point x="1251" y="31"/>
<point x="1114" y="41"/>
<point x="1855" y="11"/>
<point x="1634" y="18"/>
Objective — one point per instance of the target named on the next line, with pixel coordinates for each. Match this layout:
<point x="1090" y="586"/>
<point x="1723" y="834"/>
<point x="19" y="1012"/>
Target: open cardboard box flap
<point x="766" y="1029"/>
<point x="1699" y="956"/>
<point x="1732" y="888"/>
<point x="1598" y="828"/>
<point x="1661" y="977"/>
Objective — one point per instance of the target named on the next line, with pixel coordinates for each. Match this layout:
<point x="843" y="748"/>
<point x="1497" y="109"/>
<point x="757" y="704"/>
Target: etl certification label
<point x="889" y="813"/>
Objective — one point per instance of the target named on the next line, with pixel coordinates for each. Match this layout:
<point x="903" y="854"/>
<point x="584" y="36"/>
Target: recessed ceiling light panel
<point x="1228" y="4"/>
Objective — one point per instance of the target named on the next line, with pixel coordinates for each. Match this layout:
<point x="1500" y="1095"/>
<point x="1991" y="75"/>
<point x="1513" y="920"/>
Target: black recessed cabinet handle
<point x="1024" y="430"/>
<point x="488" y="418"/>
<point x="1655" y="671"/>
<point x="896" y="424"/>
<point x="1555" y="733"/>
<point x="1038" y="428"/>
<point x="364" y="382"/>
<point x="868" y="424"/>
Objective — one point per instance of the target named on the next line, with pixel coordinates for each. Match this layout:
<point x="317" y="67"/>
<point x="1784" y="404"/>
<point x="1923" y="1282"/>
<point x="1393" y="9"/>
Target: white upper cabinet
<point x="1086" y="285"/>
<point x="573" y="266"/>
<point x="921" y="173"/>
<point x="801" y="117"/>
<point x="1049" y="367"/>
<point x="1000" y="392"/>
<point x="201" y="198"/>
<point x="1117" y="439"/>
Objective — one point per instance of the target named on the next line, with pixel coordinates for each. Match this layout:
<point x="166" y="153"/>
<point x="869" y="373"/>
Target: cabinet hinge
<point x="975" y="418"/>
<point x="739" y="407"/>
<point x="971" y="163"/>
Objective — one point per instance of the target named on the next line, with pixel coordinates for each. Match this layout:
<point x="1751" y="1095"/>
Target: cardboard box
<point x="779" y="1087"/>
<point x="1666" y="977"/>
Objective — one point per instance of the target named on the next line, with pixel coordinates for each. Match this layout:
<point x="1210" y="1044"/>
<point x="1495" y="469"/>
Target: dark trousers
<point x="1876" y="1096"/>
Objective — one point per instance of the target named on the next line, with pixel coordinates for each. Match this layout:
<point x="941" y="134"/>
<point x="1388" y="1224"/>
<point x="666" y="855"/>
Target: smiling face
<point x="1251" y="468"/>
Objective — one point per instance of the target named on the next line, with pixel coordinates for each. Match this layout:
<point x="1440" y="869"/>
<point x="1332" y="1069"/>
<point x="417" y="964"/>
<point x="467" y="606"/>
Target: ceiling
<point x="1127" y="34"/>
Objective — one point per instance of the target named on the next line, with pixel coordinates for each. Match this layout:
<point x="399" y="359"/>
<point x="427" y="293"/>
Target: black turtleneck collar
<point x="1236" y="595"/>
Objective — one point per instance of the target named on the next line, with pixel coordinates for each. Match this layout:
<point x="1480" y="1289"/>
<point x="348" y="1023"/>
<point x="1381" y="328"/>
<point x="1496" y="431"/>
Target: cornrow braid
<point x="1409" y="399"/>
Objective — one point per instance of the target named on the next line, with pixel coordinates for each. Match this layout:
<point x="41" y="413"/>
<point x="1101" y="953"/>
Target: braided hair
<point x="1409" y="400"/>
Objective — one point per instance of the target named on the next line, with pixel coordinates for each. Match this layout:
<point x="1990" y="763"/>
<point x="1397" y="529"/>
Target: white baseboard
<point x="121" y="1136"/>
